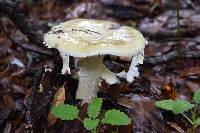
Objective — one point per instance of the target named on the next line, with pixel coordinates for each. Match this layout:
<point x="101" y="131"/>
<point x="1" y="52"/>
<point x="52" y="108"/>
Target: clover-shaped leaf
<point x="116" y="117"/>
<point x="65" y="111"/>
<point x="94" y="108"/>
<point x="90" y="124"/>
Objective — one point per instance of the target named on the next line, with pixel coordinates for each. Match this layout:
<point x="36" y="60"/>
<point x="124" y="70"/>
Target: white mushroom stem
<point x="91" y="70"/>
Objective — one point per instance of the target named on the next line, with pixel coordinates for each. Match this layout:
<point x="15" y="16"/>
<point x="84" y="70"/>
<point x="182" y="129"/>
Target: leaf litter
<point x="172" y="77"/>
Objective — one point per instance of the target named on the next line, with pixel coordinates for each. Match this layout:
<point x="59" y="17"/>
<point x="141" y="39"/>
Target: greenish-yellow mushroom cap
<point x="87" y="37"/>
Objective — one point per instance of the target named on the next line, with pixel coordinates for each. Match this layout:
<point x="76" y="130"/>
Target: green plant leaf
<point x="178" y="106"/>
<point x="116" y="117"/>
<point x="196" y="97"/>
<point x="165" y="104"/>
<point x="196" y="122"/>
<point x="181" y="106"/>
<point x="90" y="124"/>
<point x="65" y="111"/>
<point x="94" y="108"/>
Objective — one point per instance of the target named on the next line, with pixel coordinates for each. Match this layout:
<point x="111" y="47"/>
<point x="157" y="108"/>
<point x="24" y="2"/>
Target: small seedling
<point x="93" y="121"/>
<point x="180" y="106"/>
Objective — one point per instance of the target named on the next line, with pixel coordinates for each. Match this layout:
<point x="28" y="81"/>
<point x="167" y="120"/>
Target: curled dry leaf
<point x="169" y="91"/>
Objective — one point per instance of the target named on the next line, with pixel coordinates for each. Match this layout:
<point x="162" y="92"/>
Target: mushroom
<point x="88" y="41"/>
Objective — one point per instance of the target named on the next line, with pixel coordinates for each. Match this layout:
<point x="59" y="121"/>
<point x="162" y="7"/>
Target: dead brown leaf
<point x="58" y="99"/>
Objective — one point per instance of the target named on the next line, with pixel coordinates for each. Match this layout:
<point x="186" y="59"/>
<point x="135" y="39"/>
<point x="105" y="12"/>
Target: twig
<point x="30" y="101"/>
<point x="54" y="76"/>
<point x="165" y="34"/>
<point x="178" y="20"/>
<point x="184" y="39"/>
<point x="188" y="118"/>
<point x="173" y="55"/>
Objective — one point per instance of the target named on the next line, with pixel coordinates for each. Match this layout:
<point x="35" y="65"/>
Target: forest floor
<point x="30" y="73"/>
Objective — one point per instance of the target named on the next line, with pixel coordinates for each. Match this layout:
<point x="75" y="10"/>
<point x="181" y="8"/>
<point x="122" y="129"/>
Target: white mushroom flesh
<point x="133" y="70"/>
<point x="91" y="70"/>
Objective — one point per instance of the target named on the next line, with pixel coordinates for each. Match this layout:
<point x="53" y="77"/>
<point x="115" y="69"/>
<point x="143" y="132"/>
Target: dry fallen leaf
<point x="58" y="99"/>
